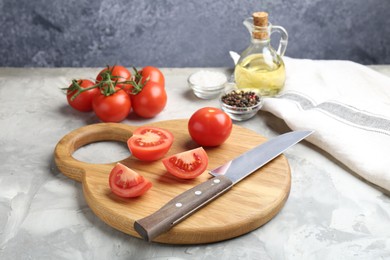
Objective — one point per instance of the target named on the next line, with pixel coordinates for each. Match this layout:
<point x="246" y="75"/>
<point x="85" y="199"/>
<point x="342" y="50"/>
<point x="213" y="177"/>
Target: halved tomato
<point x="150" y="143"/>
<point x="127" y="183"/>
<point x="187" y="165"/>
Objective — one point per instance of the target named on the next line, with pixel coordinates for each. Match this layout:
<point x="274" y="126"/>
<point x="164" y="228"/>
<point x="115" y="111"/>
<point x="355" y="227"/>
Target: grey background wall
<point x="184" y="33"/>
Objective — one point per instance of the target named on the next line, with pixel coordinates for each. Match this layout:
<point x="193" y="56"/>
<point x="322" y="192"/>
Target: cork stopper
<point x="260" y="19"/>
<point x="260" y="22"/>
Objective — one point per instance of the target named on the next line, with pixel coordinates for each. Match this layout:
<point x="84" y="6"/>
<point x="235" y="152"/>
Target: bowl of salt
<point x="207" y="84"/>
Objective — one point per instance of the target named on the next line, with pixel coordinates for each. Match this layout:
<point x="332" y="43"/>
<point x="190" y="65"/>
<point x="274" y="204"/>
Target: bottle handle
<point x="283" y="40"/>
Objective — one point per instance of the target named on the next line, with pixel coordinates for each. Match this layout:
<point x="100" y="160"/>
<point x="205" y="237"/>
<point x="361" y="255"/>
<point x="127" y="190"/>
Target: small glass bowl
<point x="241" y="113"/>
<point x="209" y="90"/>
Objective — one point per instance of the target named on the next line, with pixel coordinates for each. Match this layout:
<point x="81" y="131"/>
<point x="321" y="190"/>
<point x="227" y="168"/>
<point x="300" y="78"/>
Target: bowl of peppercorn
<point x="241" y="104"/>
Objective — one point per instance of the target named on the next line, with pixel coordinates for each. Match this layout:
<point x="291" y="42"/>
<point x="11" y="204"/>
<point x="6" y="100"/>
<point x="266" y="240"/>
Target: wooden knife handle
<point x="181" y="207"/>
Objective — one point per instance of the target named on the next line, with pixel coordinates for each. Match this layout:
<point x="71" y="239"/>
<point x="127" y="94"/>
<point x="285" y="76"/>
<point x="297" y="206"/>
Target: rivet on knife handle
<point x="180" y="207"/>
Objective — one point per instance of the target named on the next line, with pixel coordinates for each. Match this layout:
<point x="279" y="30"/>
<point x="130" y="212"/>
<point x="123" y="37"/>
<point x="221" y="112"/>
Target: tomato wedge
<point x="187" y="165"/>
<point x="150" y="143"/>
<point x="127" y="183"/>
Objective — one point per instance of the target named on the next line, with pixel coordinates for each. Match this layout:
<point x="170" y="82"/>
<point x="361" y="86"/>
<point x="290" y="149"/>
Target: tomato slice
<point x="187" y="165"/>
<point x="127" y="183"/>
<point x="150" y="143"/>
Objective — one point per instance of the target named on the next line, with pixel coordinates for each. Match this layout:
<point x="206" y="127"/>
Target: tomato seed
<point x="145" y="144"/>
<point x="187" y="167"/>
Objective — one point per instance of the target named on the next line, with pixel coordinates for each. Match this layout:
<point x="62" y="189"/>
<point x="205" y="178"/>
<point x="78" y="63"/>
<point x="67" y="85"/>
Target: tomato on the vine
<point x="118" y="74"/>
<point x="187" y="165"/>
<point x="152" y="74"/>
<point x="112" y="108"/>
<point x="83" y="101"/>
<point x="150" y="101"/>
<point x="150" y="143"/>
<point x="127" y="183"/>
<point x="145" y="90"/>
<point x="210" y="126"/>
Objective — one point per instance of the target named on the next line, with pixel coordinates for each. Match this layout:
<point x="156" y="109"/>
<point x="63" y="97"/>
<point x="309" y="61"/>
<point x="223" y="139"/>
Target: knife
<point x="225" y="176"/>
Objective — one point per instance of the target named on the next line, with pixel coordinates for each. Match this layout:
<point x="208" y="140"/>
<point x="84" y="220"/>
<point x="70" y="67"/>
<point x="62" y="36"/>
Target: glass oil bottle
<point x="260" y="67"/>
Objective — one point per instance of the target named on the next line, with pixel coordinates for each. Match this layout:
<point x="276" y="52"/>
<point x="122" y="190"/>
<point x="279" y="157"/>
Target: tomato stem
<point x="108" y="84"/>
<point x="137" y="75"/>
<point x="137" y="82"/>
<point x="75" y="86"/>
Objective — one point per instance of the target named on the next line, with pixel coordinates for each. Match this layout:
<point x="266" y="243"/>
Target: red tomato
<point x="83" y="102"/>
<point x="152" y="74"/>
<point x="127" y="183"/>
<point x="118" y="74"/>
<point x="150" y="143"/>
<point x="210" y="126"/>
<point x="112" y="108"/>
<point x="150" y="101"/>
<point x="187" y="165"/>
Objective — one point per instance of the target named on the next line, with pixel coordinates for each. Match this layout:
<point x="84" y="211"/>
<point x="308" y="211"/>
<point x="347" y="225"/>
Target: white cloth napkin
<point x="348" y="106"/>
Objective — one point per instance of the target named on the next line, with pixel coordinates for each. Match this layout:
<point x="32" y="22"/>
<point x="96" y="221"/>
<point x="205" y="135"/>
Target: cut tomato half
<point x="127" y="183"/>
<point x="150" y="143"/>
<point x="187" y="165"/>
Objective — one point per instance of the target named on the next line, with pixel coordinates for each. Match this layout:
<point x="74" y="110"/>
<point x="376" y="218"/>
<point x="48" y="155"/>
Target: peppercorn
<point x="240" y="98"/>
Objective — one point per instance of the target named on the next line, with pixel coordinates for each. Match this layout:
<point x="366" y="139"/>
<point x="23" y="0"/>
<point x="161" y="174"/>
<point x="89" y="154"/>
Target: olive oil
<point x="255" y="72"/>
<point x="261" y="67"/>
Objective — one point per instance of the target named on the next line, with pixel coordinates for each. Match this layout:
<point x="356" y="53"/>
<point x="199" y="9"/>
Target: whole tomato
<point x="209" y="126"/>
<point x="83" y="101"/>
<point x="150" y="101"/>
<point x="118" y="74"/>
<point x="152" y="74"/>
<point x="112" y="108"/>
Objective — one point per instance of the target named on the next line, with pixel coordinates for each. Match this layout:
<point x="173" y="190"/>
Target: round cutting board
<point x="248" y="205"/>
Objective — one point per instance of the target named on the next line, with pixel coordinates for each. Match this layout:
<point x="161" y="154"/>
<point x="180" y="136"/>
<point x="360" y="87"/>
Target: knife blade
<point x="224" y="177"/>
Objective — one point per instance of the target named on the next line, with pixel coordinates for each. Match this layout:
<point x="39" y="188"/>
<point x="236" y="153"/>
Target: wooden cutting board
<point x="247" y="206"/>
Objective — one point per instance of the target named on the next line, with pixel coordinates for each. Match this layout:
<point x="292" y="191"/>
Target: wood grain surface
<point x="247" y="206"/>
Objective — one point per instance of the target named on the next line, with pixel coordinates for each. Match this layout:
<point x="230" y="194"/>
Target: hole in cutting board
<point x="102" y="152"/>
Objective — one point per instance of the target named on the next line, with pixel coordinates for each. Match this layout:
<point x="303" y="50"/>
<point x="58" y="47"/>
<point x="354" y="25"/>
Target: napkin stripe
<point x="346" y="113"/>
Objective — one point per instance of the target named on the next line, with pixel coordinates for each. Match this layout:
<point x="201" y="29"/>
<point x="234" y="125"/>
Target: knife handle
<point x="181" y="207"/>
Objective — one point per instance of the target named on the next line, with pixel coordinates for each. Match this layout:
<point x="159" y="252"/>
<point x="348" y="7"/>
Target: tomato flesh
<point x="187" y="165"/>
<point x="127" y="183"/>
<point x="150" y="143"/>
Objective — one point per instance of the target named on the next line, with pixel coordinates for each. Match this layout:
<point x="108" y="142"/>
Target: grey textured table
<point x="330" y="213"/>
